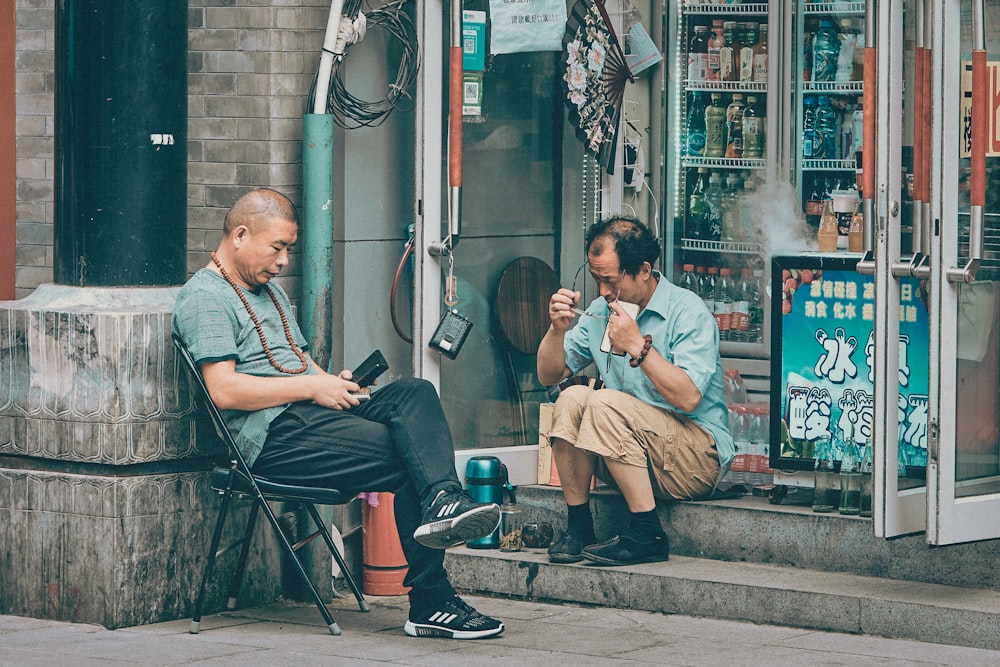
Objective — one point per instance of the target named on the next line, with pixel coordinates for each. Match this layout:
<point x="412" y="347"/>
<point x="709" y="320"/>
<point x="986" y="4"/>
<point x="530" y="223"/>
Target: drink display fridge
<point x="764" y="105"/>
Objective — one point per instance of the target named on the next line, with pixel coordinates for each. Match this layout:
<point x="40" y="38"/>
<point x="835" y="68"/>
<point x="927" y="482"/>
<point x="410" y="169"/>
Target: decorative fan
<point x="595" y="77"/>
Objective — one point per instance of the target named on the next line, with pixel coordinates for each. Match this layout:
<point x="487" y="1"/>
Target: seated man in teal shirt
<point x="658" y="429"/>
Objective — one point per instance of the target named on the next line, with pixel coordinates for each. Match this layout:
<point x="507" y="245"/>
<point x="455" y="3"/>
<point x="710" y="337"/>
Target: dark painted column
<point x="120" y="142"/>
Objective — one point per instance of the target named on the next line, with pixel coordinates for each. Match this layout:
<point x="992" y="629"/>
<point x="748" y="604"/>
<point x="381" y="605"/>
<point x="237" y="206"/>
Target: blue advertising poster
<point x="822" y="360"/>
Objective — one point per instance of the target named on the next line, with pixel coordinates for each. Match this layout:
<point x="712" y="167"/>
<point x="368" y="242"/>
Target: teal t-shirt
<point x="685" y="334"/>
<point x="215" y="326"/>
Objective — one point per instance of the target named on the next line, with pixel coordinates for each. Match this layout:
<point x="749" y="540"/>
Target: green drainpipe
<point x="317" y="234"/>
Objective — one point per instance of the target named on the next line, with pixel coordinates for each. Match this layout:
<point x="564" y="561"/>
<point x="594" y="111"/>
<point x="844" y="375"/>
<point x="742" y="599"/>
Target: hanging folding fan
<point x="595" y="78"/>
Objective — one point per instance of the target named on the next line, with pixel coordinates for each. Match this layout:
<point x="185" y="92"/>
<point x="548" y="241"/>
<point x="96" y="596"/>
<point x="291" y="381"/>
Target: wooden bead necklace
<point x="260" y="329"/>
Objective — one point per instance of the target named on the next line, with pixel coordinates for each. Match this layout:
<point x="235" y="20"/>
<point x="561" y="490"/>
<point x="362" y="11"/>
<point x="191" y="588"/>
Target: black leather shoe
<point x="626" y="550"/>
<point x="567" y="549"/>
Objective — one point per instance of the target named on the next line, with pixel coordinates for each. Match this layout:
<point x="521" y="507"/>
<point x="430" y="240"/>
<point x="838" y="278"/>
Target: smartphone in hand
<point x="370" y="369"/>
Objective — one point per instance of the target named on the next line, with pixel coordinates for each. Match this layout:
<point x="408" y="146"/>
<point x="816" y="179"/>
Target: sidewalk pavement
<point x="286" y="633"/>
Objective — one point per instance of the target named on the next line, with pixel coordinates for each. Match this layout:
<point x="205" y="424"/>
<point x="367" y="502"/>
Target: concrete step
<point x="760" y="593"/>
<point x="746" y="559"/>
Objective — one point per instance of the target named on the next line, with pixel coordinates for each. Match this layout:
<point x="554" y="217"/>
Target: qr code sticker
<point x="471" y="92"/>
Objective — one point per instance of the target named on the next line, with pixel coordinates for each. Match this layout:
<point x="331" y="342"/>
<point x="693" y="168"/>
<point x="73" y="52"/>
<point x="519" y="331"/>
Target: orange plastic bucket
<point x="382" y="555"/>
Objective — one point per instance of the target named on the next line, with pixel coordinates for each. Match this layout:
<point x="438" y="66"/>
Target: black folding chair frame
<point x="238" y="480"/>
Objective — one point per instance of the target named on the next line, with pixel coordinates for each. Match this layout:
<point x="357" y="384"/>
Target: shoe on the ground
<point x="452" y="619"/>
<point x="568" y="548"/>
<point x="454" y="518"/>
<point x="627" y="550"/>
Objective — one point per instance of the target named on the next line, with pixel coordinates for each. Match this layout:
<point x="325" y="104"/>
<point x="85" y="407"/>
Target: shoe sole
<point x="594" y="558"/>
<point x="565" y="558"/>
<point x="472" y="525"/>
<point x="424" y="630"/>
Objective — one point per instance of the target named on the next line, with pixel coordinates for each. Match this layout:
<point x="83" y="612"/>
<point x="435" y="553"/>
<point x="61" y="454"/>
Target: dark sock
<point x="645" y="526"/>
<point x="580" y="522"/>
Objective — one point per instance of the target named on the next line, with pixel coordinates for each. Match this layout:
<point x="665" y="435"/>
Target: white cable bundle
<point x="350" y="32"/>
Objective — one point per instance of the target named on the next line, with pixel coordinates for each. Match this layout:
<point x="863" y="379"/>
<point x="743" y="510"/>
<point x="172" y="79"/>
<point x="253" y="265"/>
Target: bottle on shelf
<point x="857" y="129"/>
<point x="760" y="55"/>
<point x="747" y="44"/>
<point x="741" y="440"/>
<point x="856" y="232"/>
<point x="760" y="446"/>
<point x="825" y="493"/>
<point x="845" y="57"/>
<point x="825" y="52"/>
<point x="731" y="208"/>
<point x="865" y="484"/>
<point x="688" y="279"/>
<point x="715" y="127"/>
<point x="739" y="323"/>
<point x="729" y="54"/>
<point x="754" y="124"/>
<point x="706" y="286"/>
<point x="756" y="331"/>
<point x="724" y="292"/>
<point x="748" y="230"/>
<point x="807" y="60"/>
<point x="695" y="131"/>
<point x="712" y="231"/>
<point x="734" y="390"/>
<point x="809" y="138"/>
<point x="734" y="127"/>
<point x="698" y="55"/>
<point x="850" y="480"/>
<point x="696" y="206"/>
<point x="828" y="234"/>
<point x="826" y="131"/>
<point x="716" y="40"/>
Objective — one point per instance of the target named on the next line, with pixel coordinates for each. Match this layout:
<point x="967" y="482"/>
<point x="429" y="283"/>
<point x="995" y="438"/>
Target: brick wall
<point x="250" y="66"/>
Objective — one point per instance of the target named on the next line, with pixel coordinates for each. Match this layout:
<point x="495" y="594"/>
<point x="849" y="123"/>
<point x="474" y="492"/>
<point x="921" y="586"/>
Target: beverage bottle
<point x="724" y="303"/>
<point x="825" y="52"/>
<point x="857" y="129"/>
<point x="828" y="233"/>
<point x="760" y="55"/>
<point x="850" y="481"/>
<point x="734" y="127"/>
<point x="741" y="440"/>
<point x="688" y="280"/>
<point x="807" y="64"/>
<point x="713" y="208"/>
<point x="865" y="484"/>
<point x="756" y="332"/>
<point x="825" y="495"/>
<point x="715" y="43"/>
<point x="696" y="206"/>
<point x="846" y="131"/>
<point x="856" y="232"/>
<point x="731" y="209"/>
<point x="754" y="123"/>
<point x="696" y="125"/>
<point x="734" y="391"/>
<point x="729" y="54"/>
<point x="698" y="54"/>
<point x="748" y="232"/>
<point x="845" y="57"/>
<point x="715" y="127"/>
<point x="740" y="321"/>
<point x="706" y="287"/>
<point x="760" y="445"/>
<point x="825" y="123"/>
<point x="746" y="51"/>
<point x="809" y="139"/>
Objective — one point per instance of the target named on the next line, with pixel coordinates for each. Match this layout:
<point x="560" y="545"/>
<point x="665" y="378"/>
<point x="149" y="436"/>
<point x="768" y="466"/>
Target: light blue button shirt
<point x="685" y="334"/>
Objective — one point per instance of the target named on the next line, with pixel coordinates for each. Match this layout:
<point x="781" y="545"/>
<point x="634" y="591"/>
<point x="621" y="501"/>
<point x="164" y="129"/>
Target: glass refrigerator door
<point x="722" y="105"/>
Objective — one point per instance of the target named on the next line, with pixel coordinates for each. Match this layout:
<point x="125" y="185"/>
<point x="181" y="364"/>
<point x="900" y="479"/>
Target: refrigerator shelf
<point x="745" y="9"/>
<point x="728" y="86"/>
<point x="834" y="87"/>
<point x="690" y="161"/>
<point x="834" y="8"/>
<point x="829" y="165"/>
<point x="732" y="247"/>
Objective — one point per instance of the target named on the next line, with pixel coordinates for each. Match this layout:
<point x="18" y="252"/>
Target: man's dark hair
<point x="631" y="240"/>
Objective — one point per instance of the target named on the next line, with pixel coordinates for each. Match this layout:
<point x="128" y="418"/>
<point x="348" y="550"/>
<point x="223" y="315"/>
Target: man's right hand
<point x="561" y="307"/>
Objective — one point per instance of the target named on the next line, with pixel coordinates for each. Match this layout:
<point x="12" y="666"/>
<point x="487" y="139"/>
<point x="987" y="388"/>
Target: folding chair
<point x="238" y="480"/>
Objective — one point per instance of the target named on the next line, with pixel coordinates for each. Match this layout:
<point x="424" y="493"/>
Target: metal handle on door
<point x="977" y="177"/>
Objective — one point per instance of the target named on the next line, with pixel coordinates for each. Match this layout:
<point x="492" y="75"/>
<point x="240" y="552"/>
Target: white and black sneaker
<point x="453" y="619"/>
<point x="453" y="518"/>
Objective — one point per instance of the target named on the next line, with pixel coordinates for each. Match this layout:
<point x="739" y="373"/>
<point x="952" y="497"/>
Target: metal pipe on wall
<point x="317" y="234"/>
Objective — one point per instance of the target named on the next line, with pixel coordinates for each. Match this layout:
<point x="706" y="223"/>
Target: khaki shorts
<point x="680" y="455"/>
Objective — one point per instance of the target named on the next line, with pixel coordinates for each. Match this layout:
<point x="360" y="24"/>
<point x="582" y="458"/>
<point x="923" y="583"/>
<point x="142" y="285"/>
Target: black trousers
<point x="398" y="441"/>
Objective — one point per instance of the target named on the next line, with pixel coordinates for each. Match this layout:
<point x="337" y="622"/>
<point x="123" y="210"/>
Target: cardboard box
<point x="546" y="467"/>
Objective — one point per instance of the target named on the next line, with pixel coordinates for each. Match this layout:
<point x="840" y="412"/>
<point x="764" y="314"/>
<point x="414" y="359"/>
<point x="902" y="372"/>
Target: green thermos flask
<point x="485" y="478"/>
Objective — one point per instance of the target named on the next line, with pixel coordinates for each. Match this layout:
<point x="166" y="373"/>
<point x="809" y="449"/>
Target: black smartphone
<point x="370" y="369"/>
